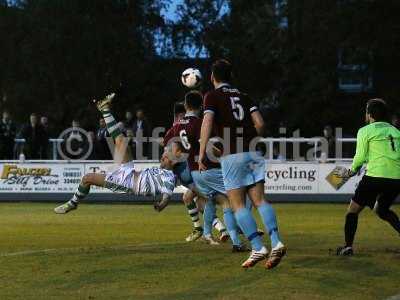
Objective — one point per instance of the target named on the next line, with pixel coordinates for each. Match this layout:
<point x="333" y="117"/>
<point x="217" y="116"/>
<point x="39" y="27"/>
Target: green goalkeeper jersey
<point x="378" y="145"/>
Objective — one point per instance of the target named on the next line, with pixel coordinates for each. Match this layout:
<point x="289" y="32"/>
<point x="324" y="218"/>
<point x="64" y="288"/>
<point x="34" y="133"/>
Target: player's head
<point x="221" y="72"/>
<point x="140" y="114"/>
<point x="171" y="156"/>
<point x="179" y="111"/>
<point x="6" y="115"/>
<point x="193" y="101"/>
<point x="34" y="119"/>
<point x="376" y="111"/>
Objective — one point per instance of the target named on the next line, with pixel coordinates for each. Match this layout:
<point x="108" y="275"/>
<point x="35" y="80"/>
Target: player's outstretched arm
<point x="163" y="203"/>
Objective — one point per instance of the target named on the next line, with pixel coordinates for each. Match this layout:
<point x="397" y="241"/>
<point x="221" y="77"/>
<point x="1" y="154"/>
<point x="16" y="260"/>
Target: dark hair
<point x="222" y="70"/>
<point x="179" y="108"/>
<point x="378" y="109"/>
<point x="194" y="100"/>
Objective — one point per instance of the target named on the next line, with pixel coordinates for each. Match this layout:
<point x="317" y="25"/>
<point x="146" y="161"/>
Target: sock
<point x="217" y="224"/>
<point x="391" y="217"/>
<point x="80" y="194"/>
<point x="248" y="225"/>
<point x="208" y="216"/>
<point x="350" y="228"/>
<point x="112" y="125"/>
<point x="268" y="216"/>
<point x="249" y="204"/>
<point x="194" y="215"/>
<point x="231" y="224"/>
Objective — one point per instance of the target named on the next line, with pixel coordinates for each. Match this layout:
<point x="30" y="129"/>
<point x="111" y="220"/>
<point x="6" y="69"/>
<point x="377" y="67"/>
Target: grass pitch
<point x="132" y="252"/>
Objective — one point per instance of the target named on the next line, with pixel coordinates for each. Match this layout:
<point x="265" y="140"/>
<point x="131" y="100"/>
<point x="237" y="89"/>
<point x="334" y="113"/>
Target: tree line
<point x="56" y="55"/>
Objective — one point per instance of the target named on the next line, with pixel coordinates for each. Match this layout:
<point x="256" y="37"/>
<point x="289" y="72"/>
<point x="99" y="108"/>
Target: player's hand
<point x="202" y="166"/>
<point x="160" y="205"/>
<point x="343" y="172"/>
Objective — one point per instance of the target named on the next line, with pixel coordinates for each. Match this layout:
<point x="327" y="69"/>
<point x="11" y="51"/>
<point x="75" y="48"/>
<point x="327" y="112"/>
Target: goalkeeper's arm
<point x="361" y="151"/>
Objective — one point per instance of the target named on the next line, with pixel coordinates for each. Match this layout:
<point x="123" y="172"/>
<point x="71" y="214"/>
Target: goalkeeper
<point x="378" y="146"/>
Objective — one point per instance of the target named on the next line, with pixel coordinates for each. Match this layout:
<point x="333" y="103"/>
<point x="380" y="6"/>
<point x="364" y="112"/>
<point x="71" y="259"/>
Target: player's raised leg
<point x="121" y="151"/>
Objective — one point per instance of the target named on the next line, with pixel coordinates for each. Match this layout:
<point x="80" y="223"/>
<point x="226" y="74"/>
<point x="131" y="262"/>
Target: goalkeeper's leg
<point x="350" y="229"/>
<point x="388" y="215"/>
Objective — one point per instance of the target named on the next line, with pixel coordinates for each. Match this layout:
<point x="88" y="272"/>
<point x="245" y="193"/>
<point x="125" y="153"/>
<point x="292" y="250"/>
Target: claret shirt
<point x="232" y="118"/>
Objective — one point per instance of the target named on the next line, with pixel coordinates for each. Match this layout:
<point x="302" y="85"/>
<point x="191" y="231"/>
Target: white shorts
<point x="122" y="180"/>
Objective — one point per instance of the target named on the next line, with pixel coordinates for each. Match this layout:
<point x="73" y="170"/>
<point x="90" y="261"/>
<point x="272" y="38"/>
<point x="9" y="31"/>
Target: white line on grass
<point x="395" y="297"/>
<point x="88" y="249"/>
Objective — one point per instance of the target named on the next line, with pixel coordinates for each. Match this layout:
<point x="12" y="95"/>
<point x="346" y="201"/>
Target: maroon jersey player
<point x="239" y="122"/>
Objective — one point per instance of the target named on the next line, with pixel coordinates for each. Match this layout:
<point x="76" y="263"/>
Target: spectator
<point x="92" y="139"/>
<point x="277" y="155"/>
<point x="35" y="139"/>
<point x="44" y="121"/>
<point x="330" y="138"/>
<point x="8" y="132"/>
<point x="128" y="120"/>
<point x="141" y="128"/>
<point x="122" y="127"/>
<point x="101" y="147"/>
<point x="75" y="142"/>
<point x="130" y="135"/>
<point x="396" y="120"/>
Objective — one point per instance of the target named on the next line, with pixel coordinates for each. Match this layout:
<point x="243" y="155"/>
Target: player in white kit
<point x="155" y="181"/>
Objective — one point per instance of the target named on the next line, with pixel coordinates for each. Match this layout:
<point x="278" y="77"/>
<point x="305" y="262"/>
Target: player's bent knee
<point x="89" y="179"/>
<point x="354" y="208"/>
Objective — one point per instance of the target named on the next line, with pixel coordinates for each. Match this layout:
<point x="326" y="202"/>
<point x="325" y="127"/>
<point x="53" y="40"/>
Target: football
<point x="191" y="78"/>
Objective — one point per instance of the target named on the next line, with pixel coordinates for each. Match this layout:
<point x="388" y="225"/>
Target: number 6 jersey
<point x="186" y="132"/>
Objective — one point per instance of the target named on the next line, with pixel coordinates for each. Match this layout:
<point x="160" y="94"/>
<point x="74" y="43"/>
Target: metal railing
<point x="54" y="143"/>
<point x="314" y="144"/>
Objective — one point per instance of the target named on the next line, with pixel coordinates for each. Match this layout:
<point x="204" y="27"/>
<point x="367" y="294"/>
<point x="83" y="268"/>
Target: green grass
<point x="131" y="252"/>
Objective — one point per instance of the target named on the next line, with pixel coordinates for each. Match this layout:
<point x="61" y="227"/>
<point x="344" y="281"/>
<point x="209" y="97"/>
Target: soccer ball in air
<point x="191" y="78"/>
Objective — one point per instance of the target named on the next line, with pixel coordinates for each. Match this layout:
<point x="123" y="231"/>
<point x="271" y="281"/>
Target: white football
<point x="191" y="78"/>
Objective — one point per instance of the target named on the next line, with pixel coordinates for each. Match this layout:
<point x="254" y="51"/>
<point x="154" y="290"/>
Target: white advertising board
<point x="39" y="178"/>
<point x="281" y="178"/>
